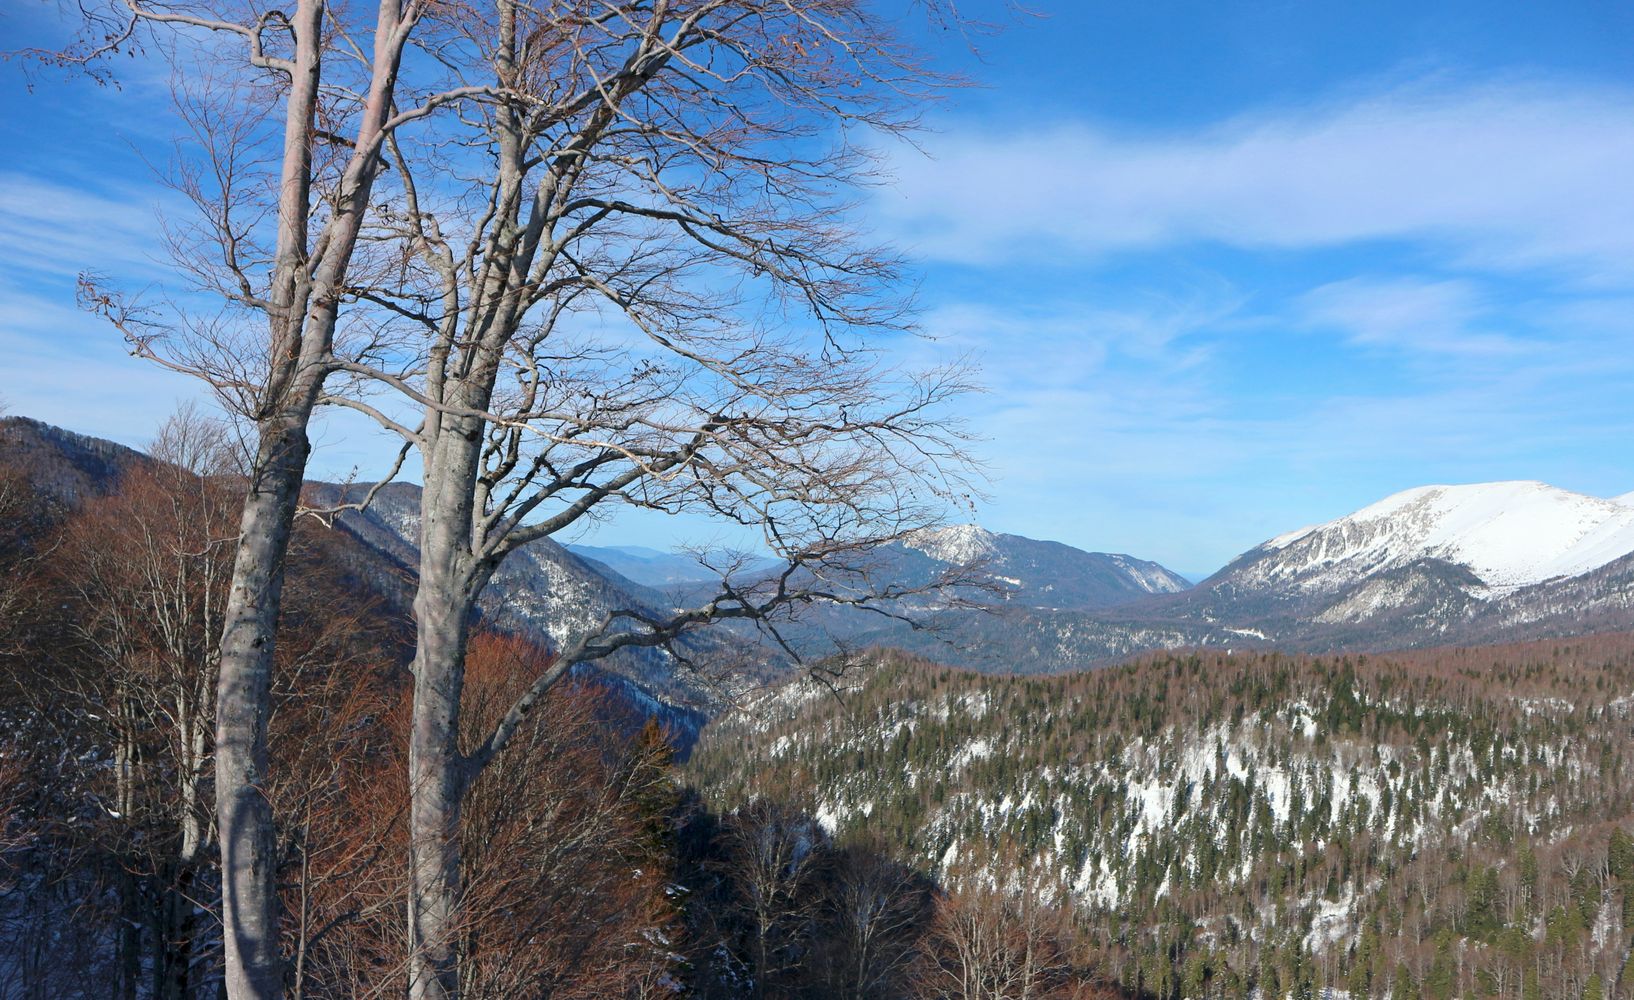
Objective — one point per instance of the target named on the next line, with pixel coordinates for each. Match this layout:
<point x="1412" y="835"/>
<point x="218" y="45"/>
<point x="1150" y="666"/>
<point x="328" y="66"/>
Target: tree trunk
<point x="436" y="782"/>
<point x="129" y="949"/>
<point x="253" y="963"/>
<point x="175" y="944"/>
<point x="442" y="607"/>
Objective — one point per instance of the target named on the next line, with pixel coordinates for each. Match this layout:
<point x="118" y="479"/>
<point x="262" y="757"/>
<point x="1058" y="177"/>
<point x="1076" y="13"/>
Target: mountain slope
<point x="1361" y="813"/>
<point x="1509" y="534"/>
<point x="1025" y="605"/>
<point x="546" y="591"/>
<point x="1432" y="565"/>
<point x="1044" y="574"/>
<point x="63" y="466"/>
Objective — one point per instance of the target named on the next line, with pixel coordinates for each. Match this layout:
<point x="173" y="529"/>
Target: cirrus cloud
<point x="1502" y="176"/>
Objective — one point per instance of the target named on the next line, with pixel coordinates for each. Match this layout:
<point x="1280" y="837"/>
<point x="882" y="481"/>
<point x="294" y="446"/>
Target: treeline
<point x="1437" y="825"/>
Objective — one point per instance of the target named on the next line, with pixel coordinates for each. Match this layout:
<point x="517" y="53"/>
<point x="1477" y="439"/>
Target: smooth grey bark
<point x="252" y="959"/>
<point x="481" y="495"/>
<point x="253" y="965"/>
<point x="305" y="296"/>
<point x="443" y="604"/>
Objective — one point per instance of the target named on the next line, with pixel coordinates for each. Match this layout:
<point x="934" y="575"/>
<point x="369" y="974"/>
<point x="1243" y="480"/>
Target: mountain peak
<point x="1509" y="534"/>
<point x="958" y="543"/>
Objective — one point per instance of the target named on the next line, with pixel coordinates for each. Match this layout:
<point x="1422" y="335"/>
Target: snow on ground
<point x="972" y="751"/>
<point x="1149" y="576"/>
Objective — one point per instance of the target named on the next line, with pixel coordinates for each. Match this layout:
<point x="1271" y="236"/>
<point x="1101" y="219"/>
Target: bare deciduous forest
<point x="589" y="869"/>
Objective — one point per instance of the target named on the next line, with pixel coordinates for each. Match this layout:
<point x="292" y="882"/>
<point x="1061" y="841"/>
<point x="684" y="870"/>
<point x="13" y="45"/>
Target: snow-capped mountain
<point x="1511" y="534"/>
<point x="1435" y="564"/>
<point x="1033" y="606"/>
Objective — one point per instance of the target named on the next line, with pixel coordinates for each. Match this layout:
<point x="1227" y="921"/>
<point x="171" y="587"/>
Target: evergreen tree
<point x="1402" y="986"/>
<point x="1442" y="981"/>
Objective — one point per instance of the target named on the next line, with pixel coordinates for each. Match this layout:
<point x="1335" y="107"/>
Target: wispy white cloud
<point x="58" y="230"/>
<point x="1409" y="314"/>
<point x="1500" y="175"/>
<point x="1168" y="428"/>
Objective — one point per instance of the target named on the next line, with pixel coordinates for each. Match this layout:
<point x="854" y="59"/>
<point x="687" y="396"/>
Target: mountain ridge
<point x="1432" y="565"/>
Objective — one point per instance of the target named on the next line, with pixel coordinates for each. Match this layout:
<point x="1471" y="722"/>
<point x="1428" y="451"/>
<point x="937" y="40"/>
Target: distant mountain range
<point x="1047" y="574"/>
<point x="651" y="567"/>
<point x="1434" y="565"/>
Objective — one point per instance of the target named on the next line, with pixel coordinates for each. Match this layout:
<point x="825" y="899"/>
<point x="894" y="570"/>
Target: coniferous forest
<point x="1445" y="823"/>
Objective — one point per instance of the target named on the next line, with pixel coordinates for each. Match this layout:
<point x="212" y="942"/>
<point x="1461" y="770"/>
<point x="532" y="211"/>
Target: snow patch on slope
<point x="1149" y="576"/>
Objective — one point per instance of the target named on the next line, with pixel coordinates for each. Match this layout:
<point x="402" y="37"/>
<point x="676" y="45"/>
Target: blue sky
<point x="1228" y="268"/>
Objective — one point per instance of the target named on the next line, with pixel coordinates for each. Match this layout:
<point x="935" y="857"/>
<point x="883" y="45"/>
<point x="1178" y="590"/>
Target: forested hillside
<point x="591" y="872"/>
<point x="1442" y="824"/>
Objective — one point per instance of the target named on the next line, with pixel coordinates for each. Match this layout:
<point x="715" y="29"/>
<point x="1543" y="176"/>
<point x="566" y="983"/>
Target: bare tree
<point x="880" y="909"/>
<point x="770" y="858"/>
<point x="17" y="557"/>
<point x="985" y="946"/>
<point x="566" y="883"/>
<point x="290" y="117"/>
<point x="631" y="283"/>
<point x="147" y="568"/>
<point x="583" y="278"/>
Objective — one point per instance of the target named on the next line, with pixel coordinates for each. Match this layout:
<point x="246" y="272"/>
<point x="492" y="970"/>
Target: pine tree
<point x="1530" y="990"/>
<point x="1620" y="855"/>
<point x="1403" y="987"/>
<point x="1441" y="983"/>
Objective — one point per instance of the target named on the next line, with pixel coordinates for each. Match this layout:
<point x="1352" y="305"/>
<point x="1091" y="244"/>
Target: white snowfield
<point x="1509" y="534"/>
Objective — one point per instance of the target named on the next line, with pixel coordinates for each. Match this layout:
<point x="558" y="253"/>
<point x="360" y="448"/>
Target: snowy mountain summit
<point x="1508" y="534"/>
<point x="959" y="544"/>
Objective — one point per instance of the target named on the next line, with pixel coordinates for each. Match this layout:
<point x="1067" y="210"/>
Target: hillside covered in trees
<point x="1448" y="823"/>
<point x="590" y="870"/>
